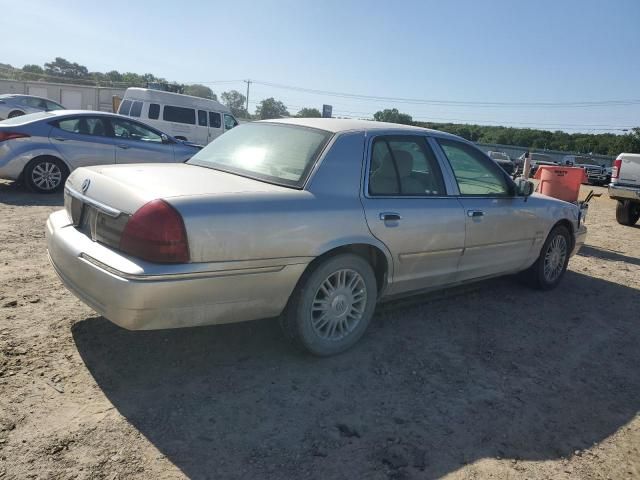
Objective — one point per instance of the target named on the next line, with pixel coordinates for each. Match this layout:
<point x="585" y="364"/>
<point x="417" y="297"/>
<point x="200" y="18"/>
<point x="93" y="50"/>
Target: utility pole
<point x="248" y="82"/>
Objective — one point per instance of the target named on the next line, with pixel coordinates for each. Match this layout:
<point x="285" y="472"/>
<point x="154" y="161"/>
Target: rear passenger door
<point x="407" y="208"/>
<point x="137" y="143"/>
<point x="83" y="140"/>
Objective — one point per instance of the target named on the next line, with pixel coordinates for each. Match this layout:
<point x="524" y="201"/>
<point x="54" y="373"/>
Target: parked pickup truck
<point x="625" y="188"/>
<point x="596" y="174"/>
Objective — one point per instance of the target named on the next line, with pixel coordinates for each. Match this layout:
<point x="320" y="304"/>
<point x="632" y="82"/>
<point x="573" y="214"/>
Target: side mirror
<point x="524" y="188"/>
<point x="165" y="138"/>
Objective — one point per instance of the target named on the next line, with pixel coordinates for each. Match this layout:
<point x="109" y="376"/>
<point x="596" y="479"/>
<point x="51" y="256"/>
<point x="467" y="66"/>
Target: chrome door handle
<point x="124" y="147"/>
<point x="475" y="213"/>
<point x="60" y="139"/>
<point x="390" y="216"/>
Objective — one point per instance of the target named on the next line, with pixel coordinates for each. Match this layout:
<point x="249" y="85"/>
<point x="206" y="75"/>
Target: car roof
<point x="337" y="125"/>
<point x="20" y="95"/>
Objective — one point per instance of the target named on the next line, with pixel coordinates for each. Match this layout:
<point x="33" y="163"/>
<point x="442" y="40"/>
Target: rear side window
<point x="404" y="166"/>
<point x="202" y="118"/>
<point x="154" y="111"/>
<point x="84" y="126"/>
<point x="125" y="106"/>
<point x="214" y="120"/>
<point x="179" y="114"/>
<point x="136" y="109"/>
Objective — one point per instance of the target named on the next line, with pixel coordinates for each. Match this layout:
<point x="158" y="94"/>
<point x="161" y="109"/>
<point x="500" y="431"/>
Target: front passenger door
<point x="136" y="143"/>
<point x="501" y="228"/>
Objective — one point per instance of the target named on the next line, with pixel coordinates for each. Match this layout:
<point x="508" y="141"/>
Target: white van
<point x="195" y="119"/>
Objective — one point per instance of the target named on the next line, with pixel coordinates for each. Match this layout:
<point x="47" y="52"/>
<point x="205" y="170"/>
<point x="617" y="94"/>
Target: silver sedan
<point x="311" y="220"/>
<point x="15" y="105"/>
<point x="43" y="148"/>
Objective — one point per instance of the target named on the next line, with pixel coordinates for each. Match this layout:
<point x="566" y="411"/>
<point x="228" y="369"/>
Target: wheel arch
<point x="41" y="156"/>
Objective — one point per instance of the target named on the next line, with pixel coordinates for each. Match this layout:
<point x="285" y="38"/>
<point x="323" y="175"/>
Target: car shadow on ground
<point x="605" y="254"/>
<point x="14" y="193"/>
<point x="502" y="371"/>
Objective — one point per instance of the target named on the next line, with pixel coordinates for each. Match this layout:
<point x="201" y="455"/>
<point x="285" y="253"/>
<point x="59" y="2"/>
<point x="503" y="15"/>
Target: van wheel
<point x="45" y="174"/>
<point x="332" y="306"/>
<point x="627" y="212"/>
<point x="548" y="270"/>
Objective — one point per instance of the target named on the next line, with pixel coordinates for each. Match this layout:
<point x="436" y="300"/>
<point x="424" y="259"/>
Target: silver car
<point x="41" y="149"/>
<point x="14" y="105"/>
<point x="311" y="220"/>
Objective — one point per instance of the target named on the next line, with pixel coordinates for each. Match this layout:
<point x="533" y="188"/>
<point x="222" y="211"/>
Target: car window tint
<point x="404" y="165"/>
<point x="136" y="109"/>
<point x="229" y="122"/>
<point x="134" y="131"/>
<point x="215" y="120"/>
<point x="202" y="118"/>
<point x="125" y="106"/>
<point x="179" y="114"/>
<point x="53" y="105"/>
<point x="475" y="174"/>
<point x="35" y="102"/>
<point x="154" y="111"/>
<point x="84" y="125"/>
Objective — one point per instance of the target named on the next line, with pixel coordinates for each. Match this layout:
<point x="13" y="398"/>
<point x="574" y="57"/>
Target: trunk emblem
<point x="85" y="185"/>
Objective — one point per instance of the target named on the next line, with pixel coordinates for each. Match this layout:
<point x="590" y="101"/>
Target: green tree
<point x="198" y="90"/>
<point x="271" y="108"/>
<point x="393" y="116"/>
<point x="64" y="68"/>
<point x="236" y="103"/>
<point x="309" y="113"/>
<point x="33" y="69"/>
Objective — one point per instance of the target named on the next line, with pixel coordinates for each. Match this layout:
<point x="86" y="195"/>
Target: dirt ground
<point x="497" y="381"/>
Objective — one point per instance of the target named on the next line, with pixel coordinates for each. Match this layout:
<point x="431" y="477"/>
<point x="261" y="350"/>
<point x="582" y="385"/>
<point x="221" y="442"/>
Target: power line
<point x="451" y="103"/>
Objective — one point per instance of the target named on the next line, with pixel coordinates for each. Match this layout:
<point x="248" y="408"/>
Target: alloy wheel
<point x="46" y="176"/>
<point x="555" y="257"/>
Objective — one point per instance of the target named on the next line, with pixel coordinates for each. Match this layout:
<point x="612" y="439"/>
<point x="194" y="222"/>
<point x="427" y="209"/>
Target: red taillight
<point x="12" y="135"/>
<point x="615" y="171"/>
<point x="156" y="233"/>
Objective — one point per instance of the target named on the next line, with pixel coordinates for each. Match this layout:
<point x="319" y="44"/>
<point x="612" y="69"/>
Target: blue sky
<point x="457" y="50"/>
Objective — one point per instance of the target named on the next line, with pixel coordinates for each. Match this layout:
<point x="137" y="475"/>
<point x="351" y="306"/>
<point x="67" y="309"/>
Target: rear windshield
<point x="31" y="117"/>
<point x="274" y="153"/>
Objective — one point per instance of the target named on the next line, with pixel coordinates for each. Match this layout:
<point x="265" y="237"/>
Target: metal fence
<point x="556" y="155"/>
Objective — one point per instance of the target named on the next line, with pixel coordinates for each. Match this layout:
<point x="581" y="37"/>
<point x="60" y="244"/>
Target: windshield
<point x="274" y="153"/>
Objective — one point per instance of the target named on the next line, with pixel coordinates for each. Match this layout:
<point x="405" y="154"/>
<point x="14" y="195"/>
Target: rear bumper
<point x="140" y="296"/>
<point x="624" y="193"/>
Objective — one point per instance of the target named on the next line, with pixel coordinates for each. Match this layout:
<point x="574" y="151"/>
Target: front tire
<point x="45" y="175"/>
<point x="15" y="113"/>
<point x="332" y="306"/>
<point x="548" y="270"/>
<point x="627" y="212"/>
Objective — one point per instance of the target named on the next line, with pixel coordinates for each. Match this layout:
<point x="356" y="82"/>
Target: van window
<point x="214" y="120"/>
<point x="136" y="109"/>
<point x="125" y="106"/>
<point x="202" y="118"/>
<point x="179" y="114"/>
<point x="229" y="122"/>
<point x="154" y="111"/>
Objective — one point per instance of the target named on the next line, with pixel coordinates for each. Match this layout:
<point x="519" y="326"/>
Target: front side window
<point x="126" y="130"/>
<point x="214" y="120"/>
<point x="84" y="125"/>
<point x="274" y="153"/>
<point x="475" y="174"/>
<point x="404" y="166"/>
<point x="154" y="111"/>
<point x="202" y="118"/>
<point x="125" y="106"/>
<point x="53" y="105"/>
<point x="179" y="115"/>
<point x="136" y="109"/>
<point x="229" y="122"/>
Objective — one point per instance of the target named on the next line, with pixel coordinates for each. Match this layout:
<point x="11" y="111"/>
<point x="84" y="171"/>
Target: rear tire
<point x="15" y="113"/>
<point x="627" y="212"/>
<point x="548" y="270"/>
<point x="332" y="305"/>
<point x="45" y="175"/>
